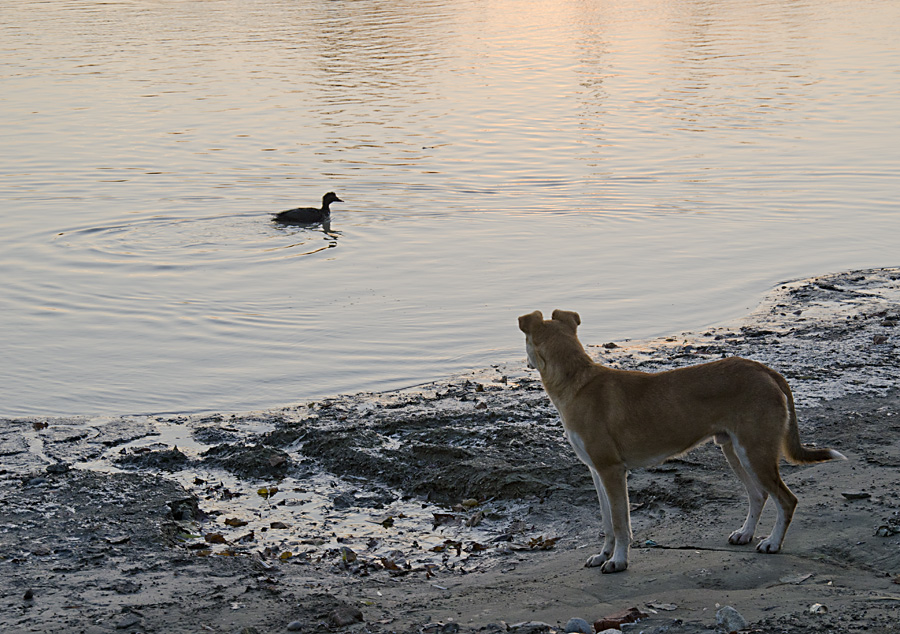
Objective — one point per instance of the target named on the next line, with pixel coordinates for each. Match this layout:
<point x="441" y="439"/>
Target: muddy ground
<point x="458" y="506"/>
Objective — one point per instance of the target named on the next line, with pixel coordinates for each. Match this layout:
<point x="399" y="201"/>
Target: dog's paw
<point x="768" y="546"/>
<point x="613" y="566"/>
<point x="739" y="538"/>
<point x="596" y="560"/>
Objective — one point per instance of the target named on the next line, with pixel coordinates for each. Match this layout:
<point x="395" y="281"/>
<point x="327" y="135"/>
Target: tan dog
<point x="616" y="420"/>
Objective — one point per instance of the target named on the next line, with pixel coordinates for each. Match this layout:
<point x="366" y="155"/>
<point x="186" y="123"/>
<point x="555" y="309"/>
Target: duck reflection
<point x="304" y="241"/>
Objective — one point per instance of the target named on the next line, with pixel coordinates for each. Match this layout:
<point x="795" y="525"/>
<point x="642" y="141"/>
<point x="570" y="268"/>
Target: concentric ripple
<point x="161" y="241"/>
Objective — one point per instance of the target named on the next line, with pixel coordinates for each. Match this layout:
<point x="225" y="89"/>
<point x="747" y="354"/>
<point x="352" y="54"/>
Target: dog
<point x="617" y="420"/>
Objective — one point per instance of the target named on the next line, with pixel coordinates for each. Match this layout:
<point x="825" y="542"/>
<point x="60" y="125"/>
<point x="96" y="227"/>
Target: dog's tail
<point x="794" y="450"/>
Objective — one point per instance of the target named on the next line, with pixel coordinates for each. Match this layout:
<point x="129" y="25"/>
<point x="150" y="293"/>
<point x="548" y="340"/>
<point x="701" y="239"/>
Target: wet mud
<point x="458" y="505"/>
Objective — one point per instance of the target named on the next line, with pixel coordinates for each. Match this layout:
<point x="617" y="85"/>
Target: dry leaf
<point x="389" y="564"/>
<point x="267" y="492"/>
<point x="542" y="544"/>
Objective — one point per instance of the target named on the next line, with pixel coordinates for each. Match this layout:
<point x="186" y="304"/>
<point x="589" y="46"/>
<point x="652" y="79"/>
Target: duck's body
<point x="308" y="215"/>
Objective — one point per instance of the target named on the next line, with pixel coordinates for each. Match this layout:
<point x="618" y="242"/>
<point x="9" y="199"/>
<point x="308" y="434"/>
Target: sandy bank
<point x="459" y="505"/>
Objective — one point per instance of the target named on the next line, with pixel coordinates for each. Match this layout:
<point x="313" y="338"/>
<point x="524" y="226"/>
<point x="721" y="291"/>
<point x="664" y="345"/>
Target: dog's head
<point x="543" y="334"/>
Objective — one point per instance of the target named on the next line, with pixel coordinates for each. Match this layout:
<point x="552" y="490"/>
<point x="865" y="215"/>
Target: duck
<point x="308" y="215"/>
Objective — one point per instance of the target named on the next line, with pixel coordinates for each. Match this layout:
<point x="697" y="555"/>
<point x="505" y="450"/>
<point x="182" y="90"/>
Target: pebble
<point x="579" y="625"/>
<point x="344" y="616"/>
<point x="729" y="619"/>
<point x="128" y="621"/>
<point x="531" y="627"/>
<point x="440" y="628"/>
<point x="294" y="626"/>
<point x="651" y="625"/>
<point x="615" y="621"/>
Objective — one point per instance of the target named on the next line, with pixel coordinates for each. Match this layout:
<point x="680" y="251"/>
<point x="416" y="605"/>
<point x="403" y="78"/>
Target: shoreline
<point x="456" y="505"/>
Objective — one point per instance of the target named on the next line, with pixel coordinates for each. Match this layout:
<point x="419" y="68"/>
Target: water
<point x="654" y="165"/>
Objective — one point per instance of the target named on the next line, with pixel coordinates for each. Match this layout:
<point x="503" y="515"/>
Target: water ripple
<point x="173" y="241"/>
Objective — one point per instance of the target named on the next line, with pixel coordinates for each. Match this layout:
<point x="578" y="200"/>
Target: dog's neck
<point x="571" y="372"/>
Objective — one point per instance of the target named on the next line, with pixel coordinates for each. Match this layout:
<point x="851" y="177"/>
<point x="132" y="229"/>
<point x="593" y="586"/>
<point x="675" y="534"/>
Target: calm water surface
<point x="654" y="164"/>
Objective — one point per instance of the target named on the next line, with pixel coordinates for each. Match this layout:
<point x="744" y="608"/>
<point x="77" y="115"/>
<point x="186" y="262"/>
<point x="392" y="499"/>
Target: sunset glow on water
<point x="654" y="165"/>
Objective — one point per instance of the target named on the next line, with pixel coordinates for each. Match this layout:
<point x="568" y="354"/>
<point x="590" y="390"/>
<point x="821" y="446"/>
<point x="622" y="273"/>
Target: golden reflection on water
<point x="655" y="163"/>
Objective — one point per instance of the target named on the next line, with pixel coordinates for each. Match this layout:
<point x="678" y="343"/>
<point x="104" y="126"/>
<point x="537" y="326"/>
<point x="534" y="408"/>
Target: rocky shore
<point x="458" y="506"/>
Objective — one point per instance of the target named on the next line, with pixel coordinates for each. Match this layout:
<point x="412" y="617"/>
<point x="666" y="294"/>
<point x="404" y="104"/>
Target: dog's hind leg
<point x="757" y="496"/>
<point x="761" y="464"/>
<point x="609" y="539"/>
<point x="614" y="480"/>
<point x="785" y="504"/>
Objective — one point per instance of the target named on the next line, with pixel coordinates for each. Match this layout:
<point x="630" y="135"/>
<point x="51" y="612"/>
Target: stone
<point x="530" y="627"/>
<point x="345" y="615"/>
<point x="440" y="628"/>
<point x="127" y="621"/>
<point x="578" y="625"/>
<point x="615" y="621"/>
<point x="729" y="619"/>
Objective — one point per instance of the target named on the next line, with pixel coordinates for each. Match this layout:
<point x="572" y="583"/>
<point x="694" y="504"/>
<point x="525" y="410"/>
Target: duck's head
<point x="329" y="198"/>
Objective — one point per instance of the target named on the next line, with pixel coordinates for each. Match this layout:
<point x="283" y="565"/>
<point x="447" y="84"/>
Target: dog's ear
<point x="567" y="317"/>
<point x="527" y="322"/>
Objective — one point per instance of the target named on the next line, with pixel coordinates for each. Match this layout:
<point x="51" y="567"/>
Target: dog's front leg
<point x="614" y="481"/>
<point x="609" y="539"/>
